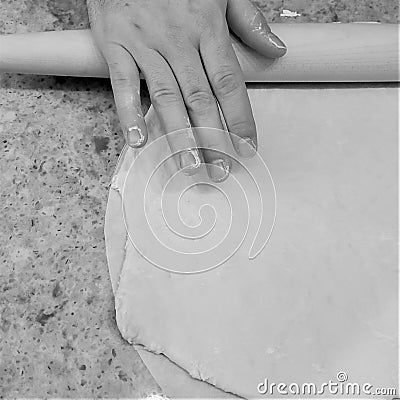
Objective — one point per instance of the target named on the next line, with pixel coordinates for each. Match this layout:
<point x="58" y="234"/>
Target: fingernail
<point x="189" y="161"/>
<point x="219" y="170"/>
<point x="246" y="147"/>
<point x="134" y="137"/>
<point x="274" y="40"/>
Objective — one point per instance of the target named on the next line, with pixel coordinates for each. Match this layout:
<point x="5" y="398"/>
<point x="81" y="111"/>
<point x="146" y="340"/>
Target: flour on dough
<point x="322" y="296"/>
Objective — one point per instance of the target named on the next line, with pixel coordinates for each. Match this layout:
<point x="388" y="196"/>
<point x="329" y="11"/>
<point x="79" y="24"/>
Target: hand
<point x="183" y="49"/>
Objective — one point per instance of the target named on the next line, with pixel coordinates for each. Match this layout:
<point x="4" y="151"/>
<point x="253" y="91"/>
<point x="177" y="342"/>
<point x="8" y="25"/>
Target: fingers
<point x="247" y="21"/>
<point x="125" y="83"/>
<point x="202" y="109"/>
<point x="228" y="85"/>
<point x="167" y="101"/>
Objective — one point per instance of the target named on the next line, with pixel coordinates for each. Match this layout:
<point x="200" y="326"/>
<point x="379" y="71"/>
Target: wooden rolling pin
<point x="358" y="52"/>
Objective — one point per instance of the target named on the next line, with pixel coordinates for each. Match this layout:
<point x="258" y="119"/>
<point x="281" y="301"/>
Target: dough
<point x="174" y="381"/>
<point x="321" y="297"/>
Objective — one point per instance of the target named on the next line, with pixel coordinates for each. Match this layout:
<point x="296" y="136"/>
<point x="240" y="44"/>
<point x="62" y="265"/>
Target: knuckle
<point x="241" y="127"/>
<point x="199" y="100"/>
<point x="174" y="31"/>
<point x="210" y="13"/>
<point x="207" y="21"/>
<point x="163" y="95"/>
<point x="226" y="81"/>
<point x="118" y="77"/>
<point x="109" y="24"/>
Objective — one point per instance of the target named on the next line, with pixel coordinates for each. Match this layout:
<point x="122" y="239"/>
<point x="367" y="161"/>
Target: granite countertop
<point x="60" y="141"/>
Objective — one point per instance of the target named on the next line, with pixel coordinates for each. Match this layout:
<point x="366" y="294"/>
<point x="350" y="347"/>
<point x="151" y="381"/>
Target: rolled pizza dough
<point x="321" y="298"/>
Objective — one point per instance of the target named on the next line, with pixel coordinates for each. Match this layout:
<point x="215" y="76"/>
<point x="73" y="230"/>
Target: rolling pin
<point x="357" y="52"/>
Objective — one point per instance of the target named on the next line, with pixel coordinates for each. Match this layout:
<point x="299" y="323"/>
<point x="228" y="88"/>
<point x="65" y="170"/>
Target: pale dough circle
<point x="322" y="296"/>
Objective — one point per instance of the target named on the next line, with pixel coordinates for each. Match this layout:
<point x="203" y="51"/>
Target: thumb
<point x="248" y="22"/>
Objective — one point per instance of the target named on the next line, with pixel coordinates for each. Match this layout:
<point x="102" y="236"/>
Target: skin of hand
<point x="183" y="49"/>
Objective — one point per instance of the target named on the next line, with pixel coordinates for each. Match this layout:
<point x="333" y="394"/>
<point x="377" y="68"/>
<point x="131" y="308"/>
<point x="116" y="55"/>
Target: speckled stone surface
<point x="60" y="141"/>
